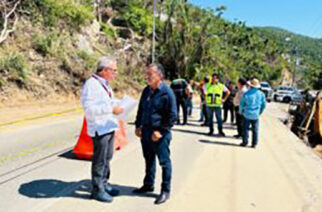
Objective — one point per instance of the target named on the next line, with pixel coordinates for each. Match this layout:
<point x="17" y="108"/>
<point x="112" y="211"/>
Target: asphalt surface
<point x="38" y="171"/>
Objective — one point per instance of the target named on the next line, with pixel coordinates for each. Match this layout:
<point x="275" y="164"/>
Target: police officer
<point x="156" y="115"/>
<point x="214" y="101"/>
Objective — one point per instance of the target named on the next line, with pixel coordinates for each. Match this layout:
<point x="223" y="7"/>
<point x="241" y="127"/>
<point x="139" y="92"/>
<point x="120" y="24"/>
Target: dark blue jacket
<point x="157" y="109"/>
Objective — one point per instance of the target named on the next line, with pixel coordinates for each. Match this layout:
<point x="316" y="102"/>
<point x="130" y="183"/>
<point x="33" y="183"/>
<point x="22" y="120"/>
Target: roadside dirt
<point x="14" y="112"/>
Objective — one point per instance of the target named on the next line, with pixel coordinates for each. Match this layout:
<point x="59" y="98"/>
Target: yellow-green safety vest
<point x="214" y="94"/>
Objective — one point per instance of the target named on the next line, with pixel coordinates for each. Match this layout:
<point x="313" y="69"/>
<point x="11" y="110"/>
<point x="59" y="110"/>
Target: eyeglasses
<point x="113" y="70"/>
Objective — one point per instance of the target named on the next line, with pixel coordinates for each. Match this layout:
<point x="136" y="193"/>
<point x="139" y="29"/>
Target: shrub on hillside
<point x="43" y="44"/>
<point x="139" y="19"/>
<point x="52" y="12"/>
<point x="88" y="60"/>
<point x="14" y="66"/>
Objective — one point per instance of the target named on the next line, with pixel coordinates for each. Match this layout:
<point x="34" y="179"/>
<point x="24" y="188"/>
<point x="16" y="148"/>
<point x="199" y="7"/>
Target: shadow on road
<point x="50" y="188"/>
<point x="201" y="133"/>
<point x="220" y="143"/>
<point x="187" y="131"/>
<point x="70" y="156"/>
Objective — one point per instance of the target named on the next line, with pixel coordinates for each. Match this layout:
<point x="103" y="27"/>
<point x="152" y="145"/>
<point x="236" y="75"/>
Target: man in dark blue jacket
<point x="156" y="115"/>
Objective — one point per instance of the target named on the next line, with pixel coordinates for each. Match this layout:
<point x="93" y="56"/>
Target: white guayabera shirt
<point x="97" y="101"/>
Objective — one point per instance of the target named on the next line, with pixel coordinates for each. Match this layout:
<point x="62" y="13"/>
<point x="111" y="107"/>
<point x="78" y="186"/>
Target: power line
<point x="316" y="25"/>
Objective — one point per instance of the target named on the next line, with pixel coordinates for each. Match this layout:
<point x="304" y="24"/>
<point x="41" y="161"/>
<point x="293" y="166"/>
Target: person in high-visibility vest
<point x="216" y="94"/>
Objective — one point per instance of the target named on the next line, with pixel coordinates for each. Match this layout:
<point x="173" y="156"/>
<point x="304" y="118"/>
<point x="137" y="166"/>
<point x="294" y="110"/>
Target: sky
<point x="299" y="16"/>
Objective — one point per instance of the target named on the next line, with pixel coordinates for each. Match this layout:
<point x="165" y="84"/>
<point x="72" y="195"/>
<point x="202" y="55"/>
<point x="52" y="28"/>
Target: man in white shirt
<point x="242" y="88"/>
<point x="99" y="111"/>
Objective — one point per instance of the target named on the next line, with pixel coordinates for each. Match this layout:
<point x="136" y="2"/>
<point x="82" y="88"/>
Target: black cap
<point x="242" y="81"/>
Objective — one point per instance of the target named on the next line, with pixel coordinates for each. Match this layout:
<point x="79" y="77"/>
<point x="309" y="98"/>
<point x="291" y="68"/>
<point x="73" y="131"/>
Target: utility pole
<point x="295" y="64"/>
<point x="154" y="33"/>
<point x="294" y="53"/>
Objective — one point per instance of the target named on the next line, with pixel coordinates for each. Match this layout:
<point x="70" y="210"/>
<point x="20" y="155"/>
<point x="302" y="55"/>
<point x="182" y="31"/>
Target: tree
<point x="9" y="18"/>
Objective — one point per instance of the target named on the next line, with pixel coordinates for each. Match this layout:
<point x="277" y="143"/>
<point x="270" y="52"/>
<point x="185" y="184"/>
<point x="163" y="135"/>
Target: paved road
<point x="210" y="173"/>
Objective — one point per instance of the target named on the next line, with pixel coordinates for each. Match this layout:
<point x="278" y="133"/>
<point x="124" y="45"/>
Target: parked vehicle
<point x="297" y="99"/>
<point x="267" y="90"/>
<point x="284" y="94"/>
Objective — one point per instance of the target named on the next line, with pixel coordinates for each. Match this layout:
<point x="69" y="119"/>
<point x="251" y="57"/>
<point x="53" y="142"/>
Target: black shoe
<point x="210" y="133"/>
<point x="143" y="189"/>
<point x="243" y="144"/>
<point x="222" y="134"/>
<point x="111" y="191"/>
<point x="237" y="136"/>
<point x="102" y="196"/>
<point x="204" y="124"/>
<point x="163" y="197"/>
<point x="254" y="146"/>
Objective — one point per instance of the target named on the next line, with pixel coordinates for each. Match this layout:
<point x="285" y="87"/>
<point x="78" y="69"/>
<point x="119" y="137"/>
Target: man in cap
<point x="252" y="105"/>
<point x="96" y="98"/>
<point x="214" y="100"/>
<point x="156" y="115"/>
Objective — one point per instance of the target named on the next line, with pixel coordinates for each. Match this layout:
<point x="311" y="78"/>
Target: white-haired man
<point x="97" y="96"/>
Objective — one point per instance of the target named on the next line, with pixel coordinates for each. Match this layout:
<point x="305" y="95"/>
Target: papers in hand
<point x="128" y="104"/>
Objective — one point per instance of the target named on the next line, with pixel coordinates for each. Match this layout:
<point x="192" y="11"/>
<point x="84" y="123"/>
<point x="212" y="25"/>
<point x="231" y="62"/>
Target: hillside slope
<point x="308" y="51"/>
<point x="55" y="45"/>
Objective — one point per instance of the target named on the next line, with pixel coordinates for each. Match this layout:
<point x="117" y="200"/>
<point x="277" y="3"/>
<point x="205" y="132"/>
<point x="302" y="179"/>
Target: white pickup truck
<point x="286" y="94"/>
<point x="267" y="90"/>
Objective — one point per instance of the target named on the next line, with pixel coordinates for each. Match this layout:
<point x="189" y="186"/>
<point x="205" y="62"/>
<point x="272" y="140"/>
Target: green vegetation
<point x="193" y="42"/>
<point x="89" y="61"/>
<point x="196" y="42"/>
<point x="15" y="67"/>
<point x="52" y="13"/>
<point x="44" y="44"/>
<point x="307" y="50"/>
<point x="59" y="43"/>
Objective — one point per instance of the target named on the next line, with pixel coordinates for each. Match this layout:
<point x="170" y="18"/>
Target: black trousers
<point x="229" y="108"/>
<point x="181" y="101"/>
<point x="152" y="150"/>
<point x="102" y="155"/>
<point x="239" y="121"/>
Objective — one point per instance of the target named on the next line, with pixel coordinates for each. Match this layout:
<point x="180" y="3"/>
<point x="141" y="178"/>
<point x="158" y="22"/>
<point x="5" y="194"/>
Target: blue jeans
<point x="255" y="125"/>
<point x="201" y="114"/>
<point x="189" y="107"/>
<point x="210" y="114"/>
<point x="159" y="149"/>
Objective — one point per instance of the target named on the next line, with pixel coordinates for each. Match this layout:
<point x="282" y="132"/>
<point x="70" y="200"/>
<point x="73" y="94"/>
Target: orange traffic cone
<point x="84" y="146"/>
<point x="120" y="137"/>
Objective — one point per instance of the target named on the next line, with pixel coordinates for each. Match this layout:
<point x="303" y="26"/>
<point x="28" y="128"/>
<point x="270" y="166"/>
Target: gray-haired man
<point x="97" y="103"/>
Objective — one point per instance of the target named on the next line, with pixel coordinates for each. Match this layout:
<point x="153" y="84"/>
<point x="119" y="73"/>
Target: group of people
<point x="157" y="113"/>
<point x="246" y="103"/>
